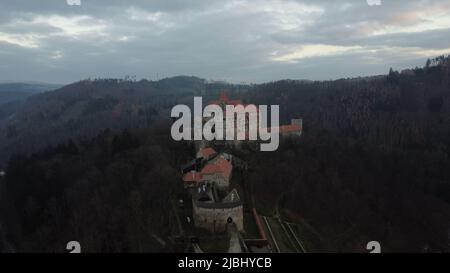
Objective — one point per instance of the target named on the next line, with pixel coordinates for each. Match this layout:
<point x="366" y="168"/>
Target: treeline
<point x="112" y="193"/>
<point x="352" y="193"/>
<point x="372" y="163"/>
<point x="84" y="108"/>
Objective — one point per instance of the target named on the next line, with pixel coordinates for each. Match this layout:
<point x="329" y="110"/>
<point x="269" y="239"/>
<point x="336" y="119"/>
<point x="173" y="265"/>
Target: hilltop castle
<point x="207" y="179"/>
<point x="286" y="131"/>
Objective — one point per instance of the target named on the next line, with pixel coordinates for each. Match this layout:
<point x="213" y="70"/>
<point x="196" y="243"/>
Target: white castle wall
<point x="215" y="219"/>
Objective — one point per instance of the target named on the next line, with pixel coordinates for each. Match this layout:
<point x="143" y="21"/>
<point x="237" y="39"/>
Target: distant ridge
<point x="32" y="87"/>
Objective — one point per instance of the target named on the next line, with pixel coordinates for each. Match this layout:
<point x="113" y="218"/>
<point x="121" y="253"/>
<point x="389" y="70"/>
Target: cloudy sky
<point x="236" y="40"/>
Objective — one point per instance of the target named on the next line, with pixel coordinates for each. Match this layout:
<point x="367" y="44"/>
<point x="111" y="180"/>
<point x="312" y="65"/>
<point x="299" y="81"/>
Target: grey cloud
<point x="233" y="40"/>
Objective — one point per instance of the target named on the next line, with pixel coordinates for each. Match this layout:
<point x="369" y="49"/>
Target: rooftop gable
<point x="207" y="152"/>
<point x="221" y="165"/>
<point x="233" y="196"/>
<point x="193" y="176"/>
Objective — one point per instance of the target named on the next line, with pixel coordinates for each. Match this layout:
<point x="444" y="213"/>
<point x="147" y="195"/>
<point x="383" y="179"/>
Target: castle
<point x="212" y="213"/>
<point x="207" y="179"/>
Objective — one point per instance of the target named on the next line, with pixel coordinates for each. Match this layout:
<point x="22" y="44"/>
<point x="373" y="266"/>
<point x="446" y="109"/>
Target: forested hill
<point x="405" y="109"/>
<point x="89" y="106"/>
<point x="356" y="107"/>
<point x="112" y="193"/>
<point x="372" y="163"/>
<point x="13" y="94"/>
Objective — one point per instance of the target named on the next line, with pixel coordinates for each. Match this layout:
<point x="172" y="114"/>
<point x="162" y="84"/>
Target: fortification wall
<point x="221" y="182"/>
<point x="215" y="219"/>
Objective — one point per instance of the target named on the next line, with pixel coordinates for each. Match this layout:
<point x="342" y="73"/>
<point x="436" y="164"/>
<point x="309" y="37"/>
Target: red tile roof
<point x="192" y="177"/>
<point x="228" y="102"/>
<point x="223" y="99"/>
<point x="286" y="129"/>
<point x="219" y="166"/>
<point x="207" y="152"/>
<point x="292" y="128"/>
<point x="234" y="102"/>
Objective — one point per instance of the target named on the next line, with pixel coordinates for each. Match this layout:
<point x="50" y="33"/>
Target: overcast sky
<point x="237" y="40"/>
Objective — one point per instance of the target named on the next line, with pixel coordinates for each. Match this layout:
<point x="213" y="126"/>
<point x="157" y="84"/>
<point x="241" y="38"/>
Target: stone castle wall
<point x="214" y="218"/>
<point x="220" y="181"/>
